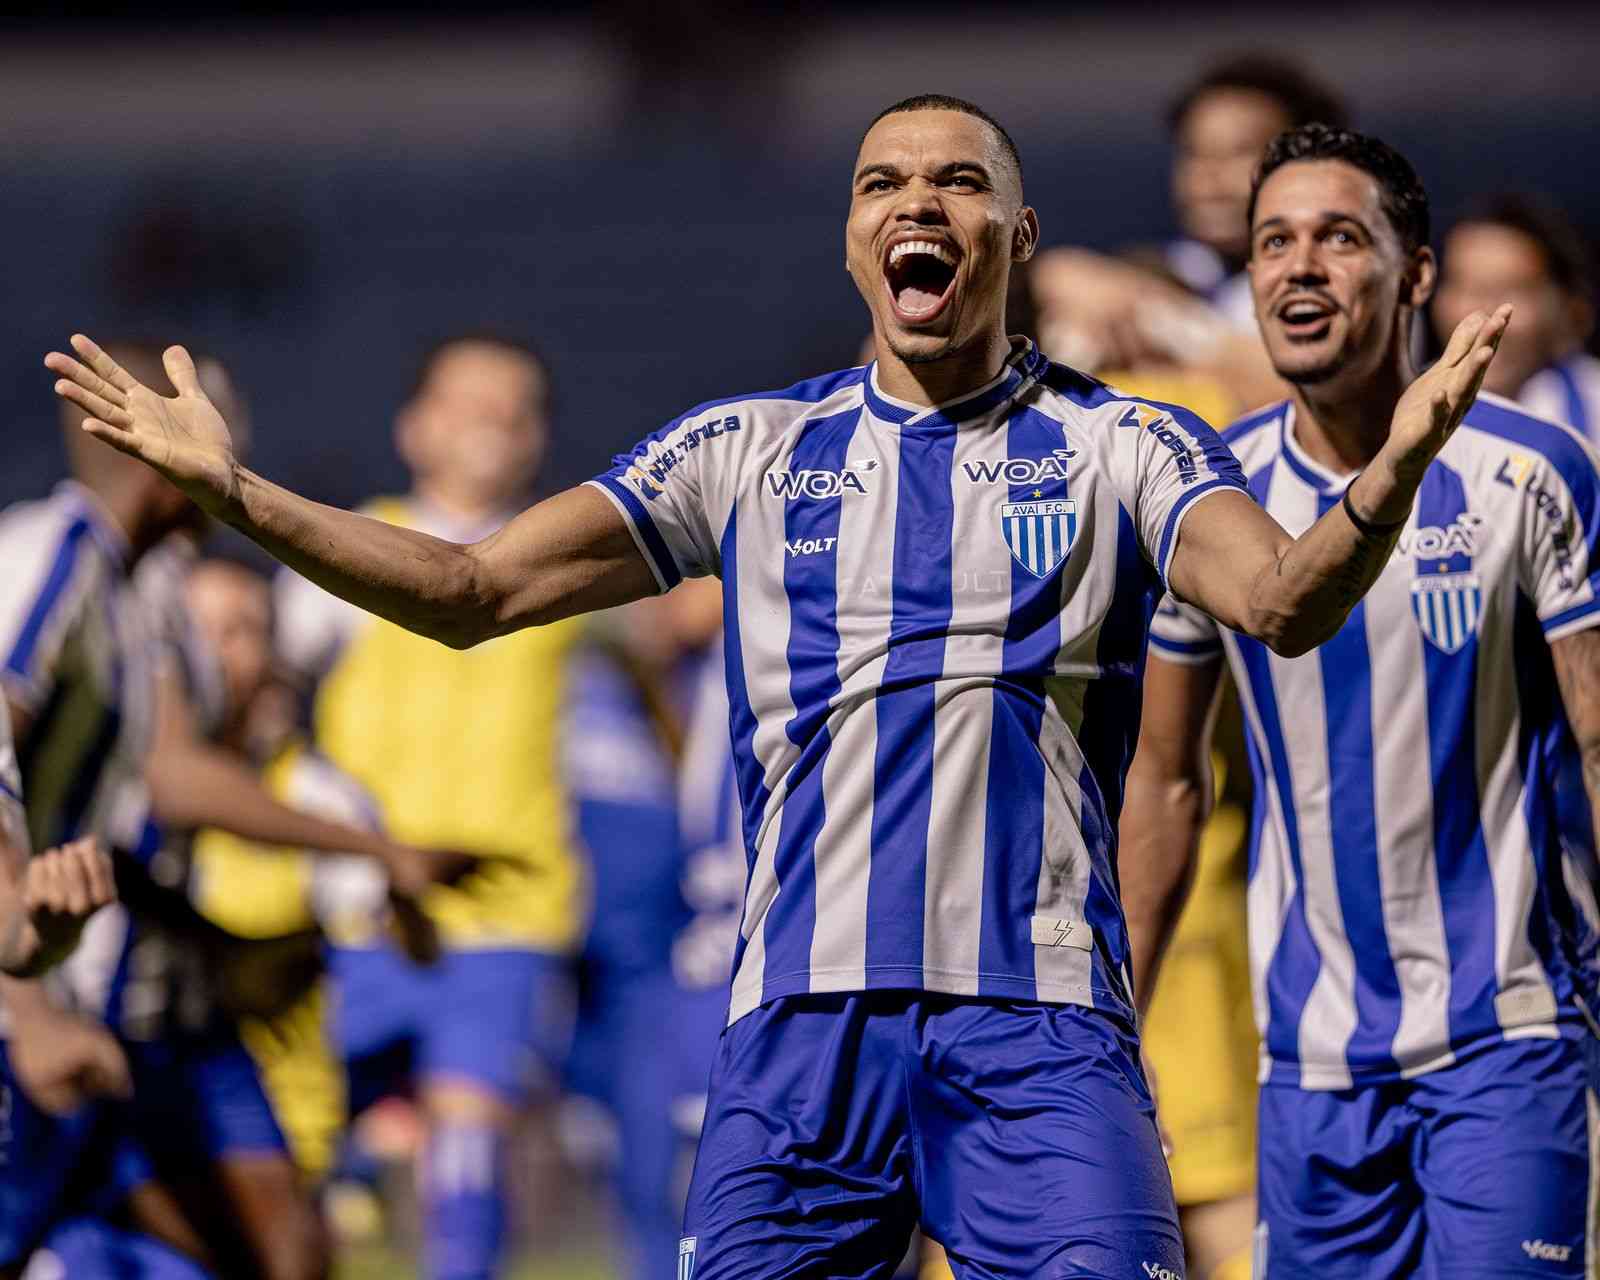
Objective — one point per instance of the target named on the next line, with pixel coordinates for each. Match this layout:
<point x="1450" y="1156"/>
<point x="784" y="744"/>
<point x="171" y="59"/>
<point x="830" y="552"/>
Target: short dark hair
<point x="474" y="338"/>
<point x="1400" y="192"/>
<point x="944" y="102"/>
<point x="1304" y="98"/>
<point x="1567" y="258"/>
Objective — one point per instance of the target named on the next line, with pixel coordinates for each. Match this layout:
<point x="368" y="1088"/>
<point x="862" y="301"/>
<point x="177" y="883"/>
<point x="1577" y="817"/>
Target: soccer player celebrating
<point x="938" y="573"/>
<point x="1517" y="247"/>
<point x="1423" y="970"/>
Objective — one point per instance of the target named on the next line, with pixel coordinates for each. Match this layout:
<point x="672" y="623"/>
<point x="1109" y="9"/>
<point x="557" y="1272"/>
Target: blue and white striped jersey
<point x="935" y="625"/>
<point x="1409" y="898"/>
<point x="13" y="825"/>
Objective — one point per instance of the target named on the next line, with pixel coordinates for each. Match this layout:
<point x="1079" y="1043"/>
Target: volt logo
<point x="810" y="546"/>
<point x="1158" y="1272"/>
<point x="1019" y="470"/>
<point x="1539" y="1251"/>
<point x="817" y="485"/>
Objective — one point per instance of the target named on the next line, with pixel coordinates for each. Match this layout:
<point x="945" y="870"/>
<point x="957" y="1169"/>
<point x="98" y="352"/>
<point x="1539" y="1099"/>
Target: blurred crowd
<point x="387" y="905"/>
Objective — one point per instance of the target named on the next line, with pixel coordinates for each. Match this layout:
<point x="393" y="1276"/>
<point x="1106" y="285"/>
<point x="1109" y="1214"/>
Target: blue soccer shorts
<point x="497" y="1019"/>
<point x="1020" y="1136"/>
<point x="1483" y="1169"/>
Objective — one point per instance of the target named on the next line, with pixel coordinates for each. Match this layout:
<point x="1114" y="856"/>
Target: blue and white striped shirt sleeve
<point x="13" y="825"/>
<point x="1170" y="459"/>
<point x="1561" y="538"/>
<point x="660" y="489"/>
<point x="1182" y="633"/>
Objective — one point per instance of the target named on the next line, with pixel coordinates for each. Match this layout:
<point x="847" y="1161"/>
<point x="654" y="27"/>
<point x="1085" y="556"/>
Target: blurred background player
<point x="623" y="746"/>
<point x="1525" y="249"/>
<point x="1183" y="309"/>
<point x="1428" y="1081"/>
<point x="81" y="662"/>
<point x="460" y="750"/>
<point x="265" y="892"/>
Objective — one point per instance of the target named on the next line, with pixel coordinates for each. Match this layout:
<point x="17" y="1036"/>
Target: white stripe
<point x="1413" y="917"/>
<point x="864" y="571"/>
<point x="1063" y="973"/>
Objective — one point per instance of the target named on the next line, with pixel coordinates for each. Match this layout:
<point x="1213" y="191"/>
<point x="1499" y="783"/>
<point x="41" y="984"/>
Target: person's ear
<point x="1421" y="277"/>
<point x="1025" y="238"/>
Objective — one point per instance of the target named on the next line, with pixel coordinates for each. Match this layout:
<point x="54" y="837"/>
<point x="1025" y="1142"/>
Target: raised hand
<point x="184" y="437"/>
<point x="1433" y="406"/>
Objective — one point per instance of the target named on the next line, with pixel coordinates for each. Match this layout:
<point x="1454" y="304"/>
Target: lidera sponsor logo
<point x="1539" y="1251"/>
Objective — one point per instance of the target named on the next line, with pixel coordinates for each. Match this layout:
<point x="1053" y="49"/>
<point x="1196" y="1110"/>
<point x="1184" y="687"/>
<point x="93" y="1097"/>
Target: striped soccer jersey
<point x="1409" y="897"/>
<point x="935" y="624"/>
<point x="1569" y="392"/>
<point x="13" y="824"/>
<point x="77" y="656"/>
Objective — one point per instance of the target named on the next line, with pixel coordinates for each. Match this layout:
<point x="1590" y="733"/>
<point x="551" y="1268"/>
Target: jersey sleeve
<point x="1182" y="633"/>
<point x="13" y="823"/>
<point x="1165" y="459"/>
<point x="48" y="584"/>
<point x="1560" y="517"/>
<point x="664" y="491"/>
<point x="310" y="625"/>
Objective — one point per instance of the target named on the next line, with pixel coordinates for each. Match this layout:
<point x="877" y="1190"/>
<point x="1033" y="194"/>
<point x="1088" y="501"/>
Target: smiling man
<point x="1424" y="950"/>
<point x="938" y="574"/>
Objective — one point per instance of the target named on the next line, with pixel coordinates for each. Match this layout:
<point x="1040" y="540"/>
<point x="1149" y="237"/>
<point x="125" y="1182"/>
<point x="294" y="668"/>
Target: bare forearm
<point x="1160" y="835"/>
<point x="23" y="997"/>
<point x="197" y="785"/>
<point x="423" y="583"/>
<point x="1304" y="597"/>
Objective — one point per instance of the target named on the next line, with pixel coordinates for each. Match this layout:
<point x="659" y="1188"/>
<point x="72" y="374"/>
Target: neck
<point x="947" y="378"/>
<point x="1343" y="423"/>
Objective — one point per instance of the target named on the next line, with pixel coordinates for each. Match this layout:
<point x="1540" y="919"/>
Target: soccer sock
<point x="464" y="1209"/>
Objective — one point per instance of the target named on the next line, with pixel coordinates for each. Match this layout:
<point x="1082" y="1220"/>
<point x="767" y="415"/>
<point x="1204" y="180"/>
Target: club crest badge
<point x="686" y="1248"/>
<point x="1448" y="609"/>
<point x="1040" y="533"/>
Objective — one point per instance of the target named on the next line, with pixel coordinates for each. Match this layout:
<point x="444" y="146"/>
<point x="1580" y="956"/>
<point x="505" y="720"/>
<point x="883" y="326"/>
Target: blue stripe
<point x="1461" y="856"/>
<point x="753" y="793"/>
<point x="1108" y="734"/>
<point x="811" y="584"/>
<point x="1014" y="819"/>
<point x="1185" y="646"/>
<point x="903" y="765"/>
<point x="23" y="651"/>
<point x="6" y="789"/>
<point x="1558" y="447"/>
<point x="1296" y="961"/>
<point x="1571" y="615"/>
<point x="1243" y="427"/>
<point x="660" y="553"/>
<point x="1346" y="670"/>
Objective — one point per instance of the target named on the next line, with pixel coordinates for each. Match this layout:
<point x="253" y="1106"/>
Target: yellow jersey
<point x="461" y="749"/>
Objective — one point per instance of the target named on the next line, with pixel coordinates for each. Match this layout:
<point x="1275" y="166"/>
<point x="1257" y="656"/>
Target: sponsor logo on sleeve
<point x="1163" y="429"/>
<point x="649" y="474"/>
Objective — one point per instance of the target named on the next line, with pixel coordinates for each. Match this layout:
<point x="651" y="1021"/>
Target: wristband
<point x="1368" y="528"/>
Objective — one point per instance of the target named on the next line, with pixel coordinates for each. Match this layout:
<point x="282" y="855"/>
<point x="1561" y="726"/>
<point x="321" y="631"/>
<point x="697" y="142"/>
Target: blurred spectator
<point x="623" y="747"/>
<point x="460" y="750"/>
<point x="1521" y="249"/>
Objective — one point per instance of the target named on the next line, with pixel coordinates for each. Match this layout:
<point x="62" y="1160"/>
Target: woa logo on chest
<point x="854" y="477"/>
<point x="1446" y="592"/>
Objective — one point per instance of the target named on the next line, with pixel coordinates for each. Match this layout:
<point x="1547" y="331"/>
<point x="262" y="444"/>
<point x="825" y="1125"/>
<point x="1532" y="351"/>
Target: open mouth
<point x="1306" y="319"/>
<point x="920" y="276"/>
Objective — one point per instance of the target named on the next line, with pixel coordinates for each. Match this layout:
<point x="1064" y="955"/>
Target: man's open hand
<point x="1433" y="406"/>
<point x="184" y="438"/>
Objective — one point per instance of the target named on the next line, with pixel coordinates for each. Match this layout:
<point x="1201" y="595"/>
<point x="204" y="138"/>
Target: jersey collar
<point x="1021" y="371"/>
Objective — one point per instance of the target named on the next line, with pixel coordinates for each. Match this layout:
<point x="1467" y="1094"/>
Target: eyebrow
<point x="1327" y="215"/>
<point x="886" y="170"/>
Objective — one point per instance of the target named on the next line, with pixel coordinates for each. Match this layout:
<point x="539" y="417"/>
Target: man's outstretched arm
<point x="1238" y="564"/>
<point x="569" y="554"/>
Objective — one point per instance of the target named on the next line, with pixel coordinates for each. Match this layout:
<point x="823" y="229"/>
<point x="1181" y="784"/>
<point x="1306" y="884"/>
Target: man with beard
<point x="1423" y="955"/>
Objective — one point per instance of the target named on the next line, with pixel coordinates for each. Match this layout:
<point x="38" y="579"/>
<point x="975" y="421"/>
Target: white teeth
<point x="921" y="246"/>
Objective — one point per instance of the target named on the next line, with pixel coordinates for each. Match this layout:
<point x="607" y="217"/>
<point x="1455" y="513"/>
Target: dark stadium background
<point x="652" y="192"/>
